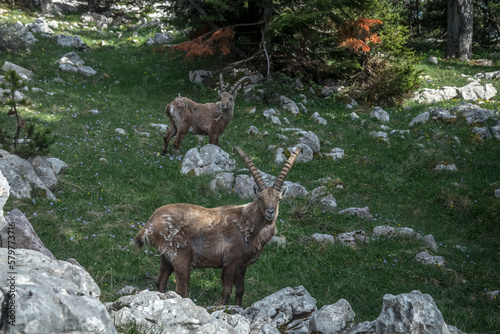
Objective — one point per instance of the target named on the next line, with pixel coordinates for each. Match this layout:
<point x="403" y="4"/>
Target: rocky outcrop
<point x="24" y="178"/>
<point x="210" y="159"/>
<point x="155" y="312"/>
<point x="25" y="236"/>
<point x="290" y="310"/>
<point x="472" y="92"/>
<point x="41" y="295"/>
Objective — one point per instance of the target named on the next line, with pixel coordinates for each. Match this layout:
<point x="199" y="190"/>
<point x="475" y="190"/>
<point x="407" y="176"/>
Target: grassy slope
<point x="101" y="205"/>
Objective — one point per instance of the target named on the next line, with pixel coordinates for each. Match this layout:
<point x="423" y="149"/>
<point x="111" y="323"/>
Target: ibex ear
<point x="234" y="94"/>
<point x="284" y="190"/>
<point x="219" y="92"/>
<point x="255" y="190"/>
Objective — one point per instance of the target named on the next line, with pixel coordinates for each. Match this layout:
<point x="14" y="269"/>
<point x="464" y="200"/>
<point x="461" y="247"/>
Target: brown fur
<point x="228" y="237"/>
<point x="210" y="119"/>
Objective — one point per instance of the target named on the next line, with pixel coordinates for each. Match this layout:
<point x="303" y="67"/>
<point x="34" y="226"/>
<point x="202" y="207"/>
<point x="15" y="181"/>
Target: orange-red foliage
<point x="354" y="34"/>
<point x="208" y="44"/>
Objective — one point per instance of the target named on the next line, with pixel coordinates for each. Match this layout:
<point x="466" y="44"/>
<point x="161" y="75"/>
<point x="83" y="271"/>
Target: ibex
<point x="208" y="119"/>
<point x="226" y="237"/>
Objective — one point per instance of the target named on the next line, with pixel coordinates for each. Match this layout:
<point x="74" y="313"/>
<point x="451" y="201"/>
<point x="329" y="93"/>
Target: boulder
<point x="44" y="171"/>
<point x="420" y="119"/>
<point x="323" y="237"/>
<point x="224" y="181"/>
<point x="86" y="70"/>
<point x="51" y="296"/>
<point x="380" y="114"/>
<point x="430" y="242"/>
<point x="210" y="159"/>
<point x="239" y="323"/>
<point x="243" y="186"/>
<point x="380" y="135"/>
<point x="286" y="308"/>
<point x="410" y="313"/>
<point x="39" y="27"/>
<point x="476" y="115"/>
<point x="328" y="203"/>
<point x="71" y="58"/>
<point x="335" y="154"/>
<point x="14" y="37"/>
<point x="159" y="38"/>
<point x="21" y="71"/>
<point x="269" y="112"/>
<point x="252" y="130"/>
<point x="383" y="231"/>
<point x="311" y="139"/>
<point x="71" y="41"/>
<point x="289" y="105"/>
<point x="275" y="120"/>
<point x="171" y="314"/>
<point x="306" y="155"/>
<point x="363" y="213"/>
<point x="328" y="91"/>
<point x="57" y="165"/>
<point x="350" y="238"/>
<point x="318" y="119"/>
<point x="332" y="319"/>
<point x="488" y="76"/>
<point x="426" y="258"/>
<point x="21" y="176"/>
<point x="450" y="167"/>
<point x="26" y="237"/>
<point x="439" y="114"/>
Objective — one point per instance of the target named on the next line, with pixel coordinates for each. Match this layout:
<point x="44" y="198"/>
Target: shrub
<point x="37" y="138"/>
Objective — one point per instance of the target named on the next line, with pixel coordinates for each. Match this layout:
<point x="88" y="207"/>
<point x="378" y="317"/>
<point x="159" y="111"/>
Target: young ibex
<point x="227" y="237"/>
<point x="208" y="119"/>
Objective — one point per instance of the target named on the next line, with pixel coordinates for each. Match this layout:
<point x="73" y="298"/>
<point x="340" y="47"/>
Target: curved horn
<point x="253" y="170"/>
<point x="221" y="83"/>
<point x="286" y="168"/>
<point x="236" y="84"/>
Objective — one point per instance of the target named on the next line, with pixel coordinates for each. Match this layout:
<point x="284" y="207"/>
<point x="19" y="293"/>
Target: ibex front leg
<point x="228" y="274"/>
<point x="239" y="283"/>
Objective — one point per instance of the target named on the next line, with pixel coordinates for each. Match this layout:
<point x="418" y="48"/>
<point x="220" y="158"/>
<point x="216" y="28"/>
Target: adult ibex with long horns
<point x="209" y="119"/>
<point x="227" y="237"/>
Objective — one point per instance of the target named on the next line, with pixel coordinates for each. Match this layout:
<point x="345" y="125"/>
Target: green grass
<point x="100" y="206"/>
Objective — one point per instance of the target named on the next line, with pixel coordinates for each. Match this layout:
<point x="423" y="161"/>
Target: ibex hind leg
<point x="164" y="273"/>
<point x="172" y="130"/>
<point x="182" y="275"/>
<point x="181" y="133"/>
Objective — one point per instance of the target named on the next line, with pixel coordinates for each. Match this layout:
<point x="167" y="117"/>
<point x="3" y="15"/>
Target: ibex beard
<point x="229" y="237"/>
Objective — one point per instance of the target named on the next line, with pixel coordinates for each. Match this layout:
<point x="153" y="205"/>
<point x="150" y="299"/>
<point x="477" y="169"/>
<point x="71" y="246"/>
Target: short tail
<point x="139" y="239"/>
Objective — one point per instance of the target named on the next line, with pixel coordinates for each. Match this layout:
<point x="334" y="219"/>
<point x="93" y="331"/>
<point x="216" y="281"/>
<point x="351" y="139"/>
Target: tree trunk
<point x="267" y="16"/>
<point x="459" y="42"/>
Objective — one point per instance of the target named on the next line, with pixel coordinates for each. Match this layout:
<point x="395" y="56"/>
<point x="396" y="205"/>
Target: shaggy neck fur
<point x="254" y="226"/>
